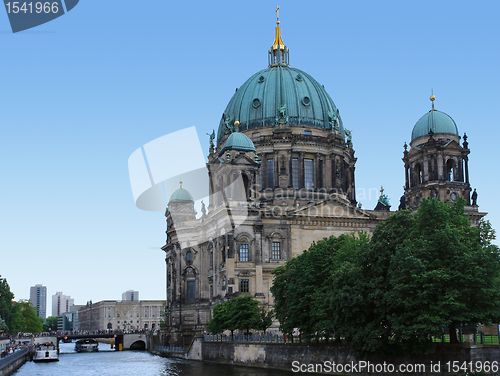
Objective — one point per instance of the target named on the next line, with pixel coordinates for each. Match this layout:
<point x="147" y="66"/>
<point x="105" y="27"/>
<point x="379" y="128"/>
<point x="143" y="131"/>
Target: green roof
<point x="280" y="91"/>
<point x="181" y="195"/>
<point x="238" y="141"/>
<point x="434" y="120"/>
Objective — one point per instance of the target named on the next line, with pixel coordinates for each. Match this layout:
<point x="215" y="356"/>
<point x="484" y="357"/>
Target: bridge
<point x="129" y="341"/>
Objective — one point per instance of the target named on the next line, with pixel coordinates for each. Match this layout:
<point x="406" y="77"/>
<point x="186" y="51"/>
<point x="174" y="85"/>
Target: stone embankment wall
<point x="11" y="363"/>
<point x="283" y="356"/>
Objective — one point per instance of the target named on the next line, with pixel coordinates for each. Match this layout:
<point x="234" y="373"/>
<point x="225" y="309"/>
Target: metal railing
<point x="12" y="358"/>
<point x="251" y="338"/>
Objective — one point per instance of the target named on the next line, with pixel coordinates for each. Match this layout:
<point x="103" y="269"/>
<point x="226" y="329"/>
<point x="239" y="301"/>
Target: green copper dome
<point x="434" y="120"/>
<point x="281" y="94"/>
<point x="238" y="141"/>
<point x="181" y="195"/>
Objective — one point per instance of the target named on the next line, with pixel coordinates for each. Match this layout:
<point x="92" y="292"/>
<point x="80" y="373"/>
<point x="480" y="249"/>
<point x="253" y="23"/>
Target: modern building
<point x="130" y="295"/>
<point x="281" y="176"/>
<point x="121" y="315"/>
<point x="74" y="310"/>
<point x="38" y="299"/>
<point x="61" y="303"/>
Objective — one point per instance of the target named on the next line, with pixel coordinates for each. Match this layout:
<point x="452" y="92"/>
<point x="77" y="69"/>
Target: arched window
<point x="246" y="185"/>
<point x="450" y="170"/>
<point x="418" y="173"/>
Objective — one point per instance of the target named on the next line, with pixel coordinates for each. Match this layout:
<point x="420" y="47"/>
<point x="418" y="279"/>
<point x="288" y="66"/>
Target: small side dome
<point x="238" y="141"/>
<point x="434" y="120"/>
<point x="181" y="195"/>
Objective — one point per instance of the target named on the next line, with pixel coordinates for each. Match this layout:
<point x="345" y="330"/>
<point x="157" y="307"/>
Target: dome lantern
<point x="278" y="53"/>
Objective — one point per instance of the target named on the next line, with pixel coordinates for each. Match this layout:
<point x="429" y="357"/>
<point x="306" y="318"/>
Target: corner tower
<point x="437" y="165"/>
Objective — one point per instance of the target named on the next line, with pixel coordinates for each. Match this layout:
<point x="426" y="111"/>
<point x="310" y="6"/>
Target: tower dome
<point x="180" y="195"/>
<point x="435" y="121"/>
<point x="283" y="94"/>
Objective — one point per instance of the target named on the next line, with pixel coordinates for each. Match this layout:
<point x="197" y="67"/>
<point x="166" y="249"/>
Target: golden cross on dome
<point x="277" y="15"/>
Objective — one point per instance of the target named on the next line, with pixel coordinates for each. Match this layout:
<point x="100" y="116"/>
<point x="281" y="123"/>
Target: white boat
<point x="87" y="345"/>
<point x="46" y="353"/>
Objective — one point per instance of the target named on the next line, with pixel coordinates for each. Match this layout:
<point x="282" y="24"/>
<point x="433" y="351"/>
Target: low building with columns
<point x="121" y="315"/>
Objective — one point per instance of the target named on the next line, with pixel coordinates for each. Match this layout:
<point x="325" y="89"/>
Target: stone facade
<point x="280" y="178"/>
<point x="121" y="315"/>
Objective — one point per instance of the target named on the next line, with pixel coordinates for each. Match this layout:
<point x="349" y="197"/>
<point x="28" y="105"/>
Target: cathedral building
<point x="282" y="175"/>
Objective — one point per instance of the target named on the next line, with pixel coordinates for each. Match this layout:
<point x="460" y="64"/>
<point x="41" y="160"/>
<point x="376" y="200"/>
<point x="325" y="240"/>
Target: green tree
<point x="3" y="326"/>
<point x="50" y="324"/>
<point x="266" y="318"/>
<point x="419" y="273"/>
<point x="221" y="318"/>
<point x="6" y="298"/>
<point x="241" y="313"/>
<point x="24" y="318"/>
<point x="446" y="273"/>
<point x="300" y="287"/>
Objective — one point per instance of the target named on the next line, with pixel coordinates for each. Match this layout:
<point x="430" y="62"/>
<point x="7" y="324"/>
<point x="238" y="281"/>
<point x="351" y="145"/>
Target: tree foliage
<point x="301" y="290"/>
<point x="24" y="318"/>
<point x="6" y="297"/>
<point x="242" y="312"/>
<point x="419" y="273"/>
<point x="50" y="324"/>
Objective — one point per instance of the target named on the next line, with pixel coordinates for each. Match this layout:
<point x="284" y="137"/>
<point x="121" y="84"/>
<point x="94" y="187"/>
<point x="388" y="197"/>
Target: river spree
<point x="108" y="362"/>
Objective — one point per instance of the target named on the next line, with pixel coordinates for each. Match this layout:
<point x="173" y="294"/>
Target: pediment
<point x="243" y="159"/>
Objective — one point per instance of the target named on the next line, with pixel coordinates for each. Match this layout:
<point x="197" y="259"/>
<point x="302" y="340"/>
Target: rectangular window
<point x="243" y="252"/>
<point x="295" y="173"/>
<point x="256" y="134"/>
<point x="244" y="285"/>
<point x="307" y="133"/>
<point x="276" y="250"/>
<point x="270" y="173"/>
<point x="117" y="315"/>
<point x="309" y="173"/>
<point x="146" y="313"/>
<point x="191" y="291"/>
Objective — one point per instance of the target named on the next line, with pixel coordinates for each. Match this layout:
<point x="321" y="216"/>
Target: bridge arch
<point x="138" y="345"/>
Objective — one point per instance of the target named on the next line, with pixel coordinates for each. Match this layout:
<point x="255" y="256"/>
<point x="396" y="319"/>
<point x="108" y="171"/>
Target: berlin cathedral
<point x="289" y="163"/>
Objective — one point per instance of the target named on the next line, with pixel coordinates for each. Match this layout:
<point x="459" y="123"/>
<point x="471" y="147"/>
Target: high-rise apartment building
<point x="61" y="303"/>
<point x="38" y="298"/>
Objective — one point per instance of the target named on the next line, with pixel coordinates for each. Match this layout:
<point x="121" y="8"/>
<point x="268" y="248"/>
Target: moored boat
<point x="46" y="353"/>
<point x="87" y="345"/>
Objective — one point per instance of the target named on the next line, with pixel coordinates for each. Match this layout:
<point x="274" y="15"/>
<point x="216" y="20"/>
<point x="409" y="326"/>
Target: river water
<point x="108" y="362"/>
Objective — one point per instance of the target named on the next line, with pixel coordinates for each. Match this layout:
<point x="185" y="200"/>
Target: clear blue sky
<point x="81" y="93"/>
